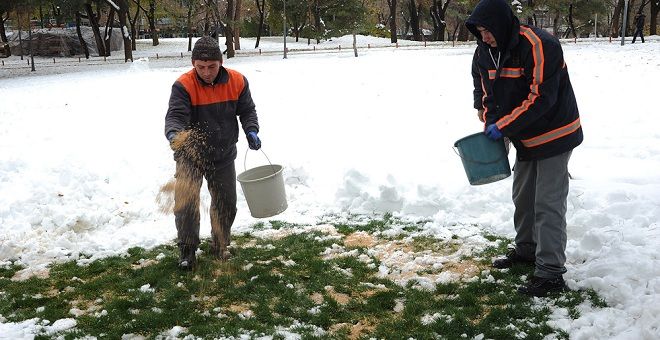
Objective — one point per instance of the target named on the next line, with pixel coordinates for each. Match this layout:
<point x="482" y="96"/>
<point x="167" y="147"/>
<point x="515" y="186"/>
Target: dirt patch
<point x="238" y="309"/>
<point x="371" y="292"/>
<point x="317" y="298"/>
<point x="359" y="239"/>
<point x="464" y="268"/>
<point x="147" y="263"/>
<point x="340" y="298"/>
<point x="25" y="274"/>
<point x="355" y="330"/>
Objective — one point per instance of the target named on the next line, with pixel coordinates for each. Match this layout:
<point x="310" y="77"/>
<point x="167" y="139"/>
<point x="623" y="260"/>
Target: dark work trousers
<point x="540" y="189"/>
<point x="639" y="32"/>
<point x="222" y="187"/>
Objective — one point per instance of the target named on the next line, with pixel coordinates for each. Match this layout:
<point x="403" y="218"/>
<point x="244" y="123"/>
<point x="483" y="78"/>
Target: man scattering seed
<point x="202" y="127"/>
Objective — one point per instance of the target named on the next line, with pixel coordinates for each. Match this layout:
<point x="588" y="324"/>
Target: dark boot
<point x="512" y="258"/>
<point x="541" y="287"/>
<point x="187" y="256"/>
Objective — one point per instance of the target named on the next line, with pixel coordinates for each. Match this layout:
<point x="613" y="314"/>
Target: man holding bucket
<point x="528" y="98"/>
<point x="202" y="128"/>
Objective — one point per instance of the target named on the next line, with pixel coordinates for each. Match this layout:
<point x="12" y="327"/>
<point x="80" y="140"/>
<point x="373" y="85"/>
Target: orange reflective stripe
<point x="492" y="74"/>
<point x="483" y="89"/>
<point x="552" y="135"/>
<point x="512" y="72"/>
<point x="537" y="78"/>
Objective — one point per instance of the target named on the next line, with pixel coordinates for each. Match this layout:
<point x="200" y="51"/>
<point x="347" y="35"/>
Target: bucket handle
<point x="262" y="151"/>
<point x="479" y="162"/>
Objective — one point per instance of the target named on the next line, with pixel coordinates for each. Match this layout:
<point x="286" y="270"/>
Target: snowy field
<point x="83" y="156"/>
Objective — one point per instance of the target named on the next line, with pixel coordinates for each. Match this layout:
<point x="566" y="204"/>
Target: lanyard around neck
<point x="496" y="63"/>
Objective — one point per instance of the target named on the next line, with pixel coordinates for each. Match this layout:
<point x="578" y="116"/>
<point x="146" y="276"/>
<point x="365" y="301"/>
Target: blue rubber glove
<point x="253" y="140"/>
<point x="493" y="132"/>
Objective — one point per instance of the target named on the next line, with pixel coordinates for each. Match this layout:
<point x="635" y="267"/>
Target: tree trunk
<point x="616" y="16"/>
<point x="459" y="23"/>
<point x="435" y="20"/>
<point x="318" y="26"/>
<point x="207" y="21"/>
<point x="94" y="22"/>
<point x="237" y="24"/>
<point x="655" y="8"/>
<point x="260" y="28"/>
<point x="83" y="44"/>
<point x="108" y="31"/>
<point x="570" y="21"/>
<point x="463" y="33"/>
<point x="392" y="6"/>
<point x="438" y="12"/>
<point x="355" y="44"/>
<point x="134" y="25"/>
<point x="123" y="14"/>
<point x="4" y="42"/>
<point x="3" y="34"/>
<point x="41" y="15"/>
<point x="555" y="25"/>
<point x="189" y="23"/>
<point x="20" y="36"/>
<point x="57" y="13"/>
<point x="152" y="22"/>
<point x="414" y="20"/>
<point x="229" y="29"/>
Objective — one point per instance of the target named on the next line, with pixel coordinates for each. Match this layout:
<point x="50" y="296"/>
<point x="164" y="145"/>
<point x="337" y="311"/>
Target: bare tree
<point x="438" y="13"/>
<point x="122" y="12"/>
<point x="655" y="9"/>
<point x="414" y="20"/>
<point x="94" y="22"/>
<point x="392" y="5"/>
<point x="189" y="24"/>
<point x="261" y="4"/>
<point x="108" y="30"/>
<point x="83" y="44"/>
<point x="236" y="21"/>
<point x="618" y="9"/>
<point x="571" y="25"/>
<point x="121" y="8"/>
<point x="229" y="28"/>
<point x="151" y="18"/>
<point x="134" y="24"/>
<point x="555" y="24"/>
<point x="57" y="13"/>
<point x="4" y="16"/>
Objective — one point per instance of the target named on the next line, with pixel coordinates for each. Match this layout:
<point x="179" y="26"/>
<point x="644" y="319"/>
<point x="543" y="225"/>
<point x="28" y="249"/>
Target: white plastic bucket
<point x="263" y="188"/>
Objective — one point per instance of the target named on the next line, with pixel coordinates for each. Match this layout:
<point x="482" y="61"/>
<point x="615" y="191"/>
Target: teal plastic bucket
<point x="485" y="160"/>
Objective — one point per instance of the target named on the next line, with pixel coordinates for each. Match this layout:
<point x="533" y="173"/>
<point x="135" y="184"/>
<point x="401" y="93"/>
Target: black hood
<point x="497" y="17"/>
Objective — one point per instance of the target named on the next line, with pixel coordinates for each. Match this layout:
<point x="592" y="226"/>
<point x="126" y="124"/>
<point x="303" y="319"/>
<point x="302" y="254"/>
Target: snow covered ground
<point x="83" y="157"/>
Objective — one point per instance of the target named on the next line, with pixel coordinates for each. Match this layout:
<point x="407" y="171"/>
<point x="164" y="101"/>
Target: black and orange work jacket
<point x="525" y="84"/>
<point x="213" y="110"/>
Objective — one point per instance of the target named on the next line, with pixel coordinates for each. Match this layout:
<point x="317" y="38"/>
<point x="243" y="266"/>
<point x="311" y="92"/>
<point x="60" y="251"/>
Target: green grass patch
<point x="294" y="283"/>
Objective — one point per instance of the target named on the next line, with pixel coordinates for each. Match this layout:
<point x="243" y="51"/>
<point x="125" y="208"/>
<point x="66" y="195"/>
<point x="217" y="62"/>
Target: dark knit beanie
<point x="206" y="48"/>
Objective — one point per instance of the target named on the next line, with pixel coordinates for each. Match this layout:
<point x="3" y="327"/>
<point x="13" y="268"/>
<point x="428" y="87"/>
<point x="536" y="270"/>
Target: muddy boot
<point x="187" y="256"/>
